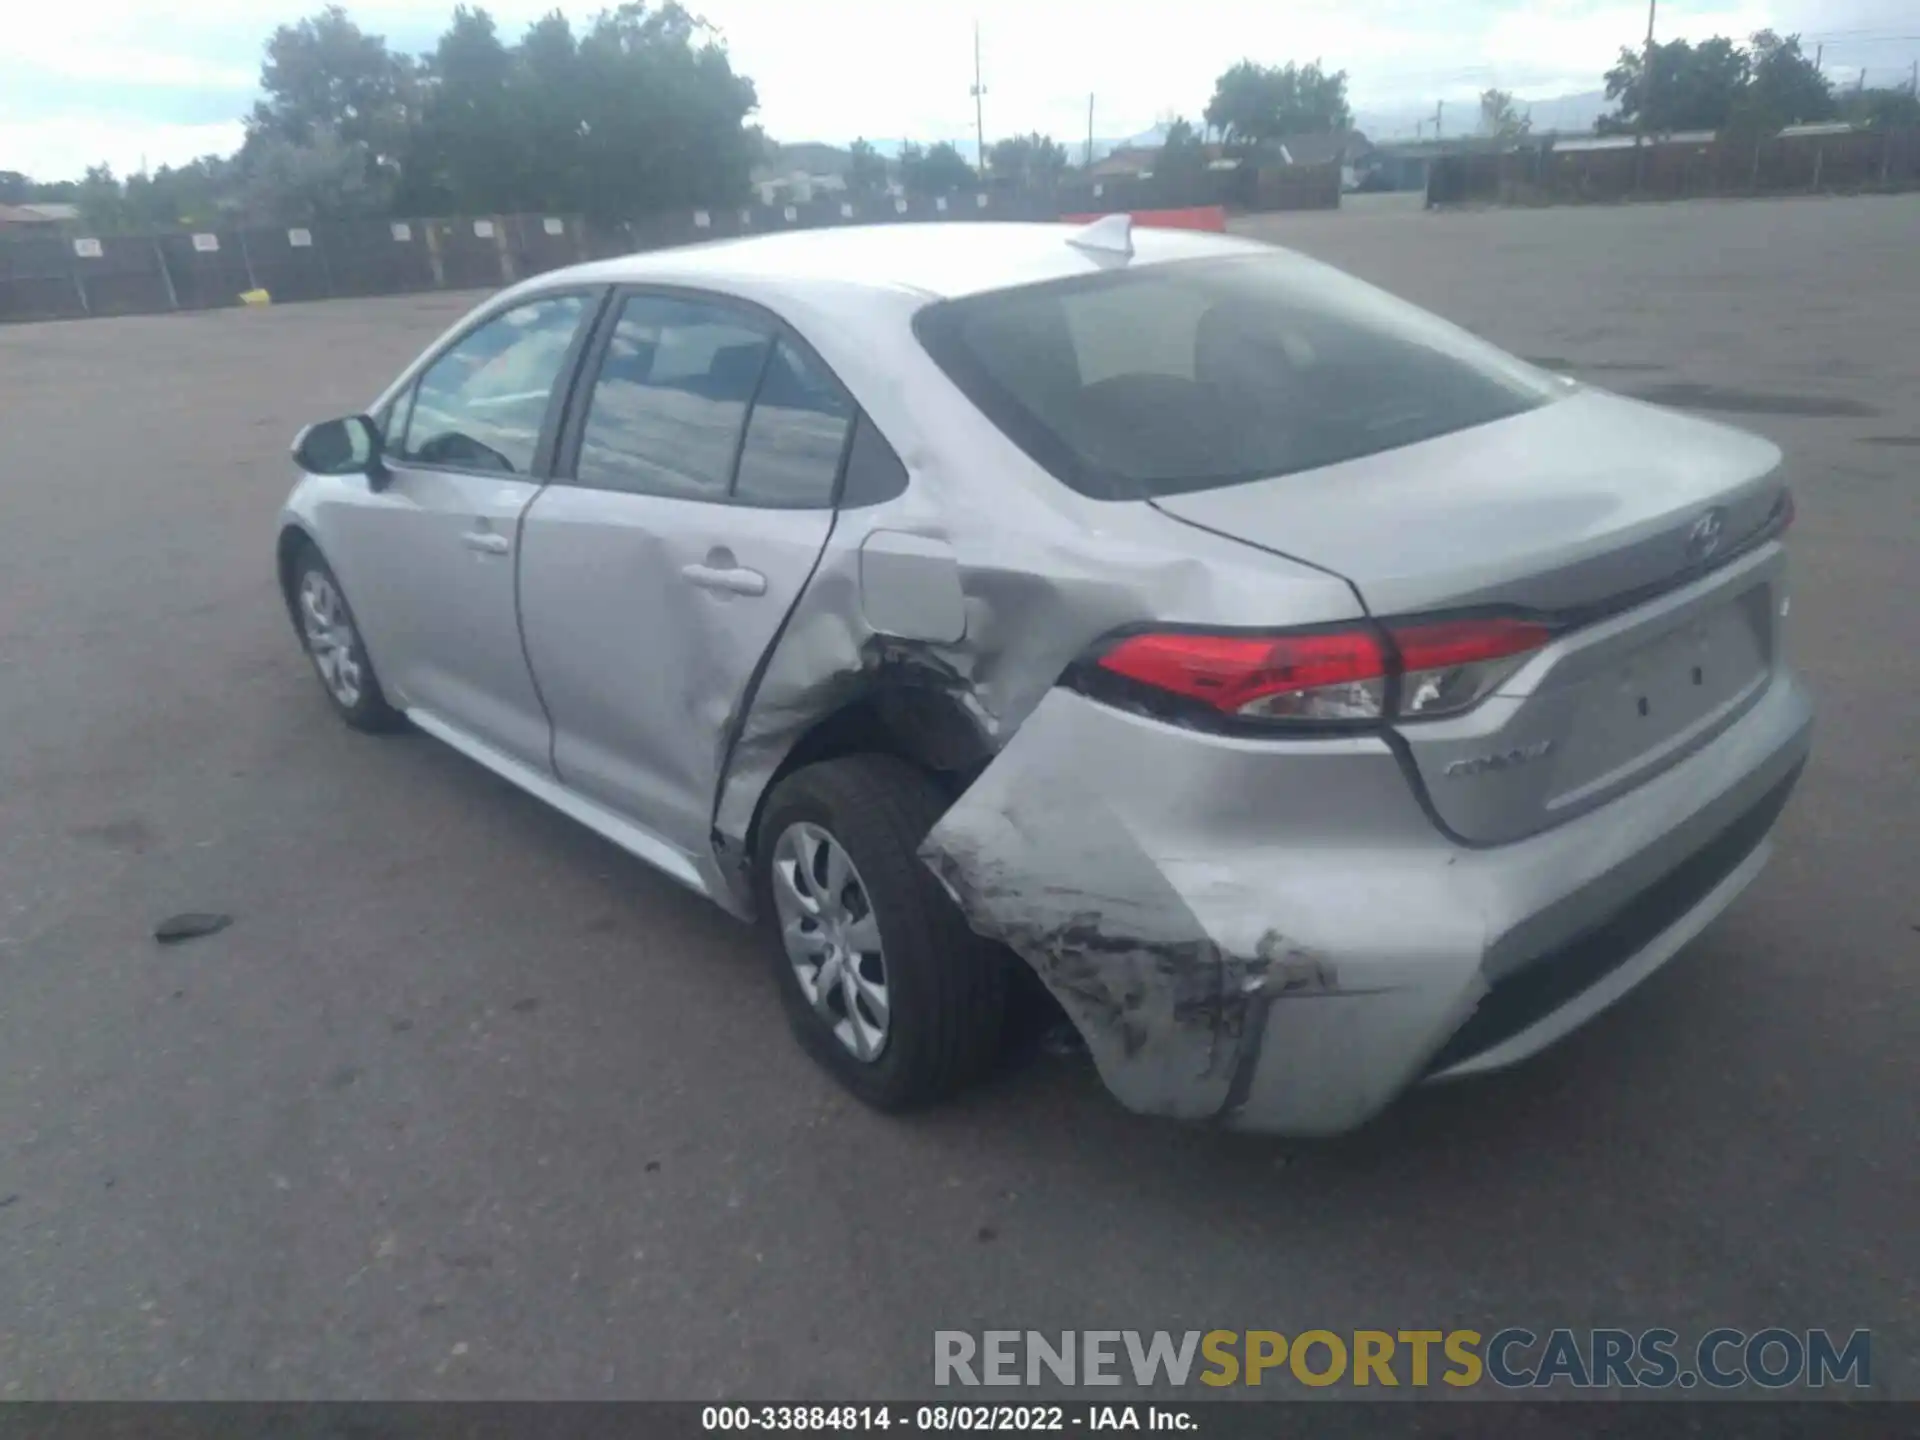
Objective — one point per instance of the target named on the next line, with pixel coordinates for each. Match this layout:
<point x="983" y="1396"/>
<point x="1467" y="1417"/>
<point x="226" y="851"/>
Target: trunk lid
<point x="1614" y="518"/>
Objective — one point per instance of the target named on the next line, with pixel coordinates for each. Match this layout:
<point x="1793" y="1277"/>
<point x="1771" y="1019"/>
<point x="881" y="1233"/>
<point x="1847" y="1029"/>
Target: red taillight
<point x="1309" y="675"/>
<point x="1444" y="666"/>
<point x="1783" y="512"/>
<point x="1440" y="643"/>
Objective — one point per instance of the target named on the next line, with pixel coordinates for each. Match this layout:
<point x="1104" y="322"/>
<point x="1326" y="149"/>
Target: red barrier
<point x="1199" y="217"/>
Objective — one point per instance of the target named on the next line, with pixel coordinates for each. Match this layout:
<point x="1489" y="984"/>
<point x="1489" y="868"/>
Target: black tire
<point x="947" y="988"/>
<point x="369" y="709"/>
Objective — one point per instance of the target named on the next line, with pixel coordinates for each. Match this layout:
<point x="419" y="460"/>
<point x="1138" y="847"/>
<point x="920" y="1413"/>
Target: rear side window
<point x="1185" y="376"/>
<point x="795" y="436"/>
<point x="670" y="399"/>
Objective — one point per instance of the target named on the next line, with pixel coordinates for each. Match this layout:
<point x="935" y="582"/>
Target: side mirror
<point x="350" y="446"/>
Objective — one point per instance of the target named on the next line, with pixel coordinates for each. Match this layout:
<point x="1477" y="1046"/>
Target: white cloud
<point x="142" y="68"/>
<point x="834" y="69"/>
<point x="63" y="146"/>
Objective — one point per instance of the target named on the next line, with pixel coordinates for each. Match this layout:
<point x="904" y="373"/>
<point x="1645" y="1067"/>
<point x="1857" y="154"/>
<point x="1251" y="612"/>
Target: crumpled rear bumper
<point x="1276" y="936"/>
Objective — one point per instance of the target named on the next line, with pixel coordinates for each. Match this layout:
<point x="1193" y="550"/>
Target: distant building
<point x="796" y="187"/>
<point x="1349" y="149"/>
<point x="1126" y="162"/>
<point x="1402" y="164"/>
<point x="34" y="217"/>
<point x="1573" y="144"/>
<point x="794" y="173"/>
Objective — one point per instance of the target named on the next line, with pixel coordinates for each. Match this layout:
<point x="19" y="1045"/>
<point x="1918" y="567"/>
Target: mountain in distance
<point x="813" y="157"/>
<point x="1566" y="114"/>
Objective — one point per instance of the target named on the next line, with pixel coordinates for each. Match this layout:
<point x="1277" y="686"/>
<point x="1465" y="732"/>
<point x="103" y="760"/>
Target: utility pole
<point x="1819" y="51"/>
<point x="1439" y="109"/>
<point x="1089" y="131"/>
<point x="1913" y="79"/>
<point x="979" y="125"/>
<point x="1862" y="88"/>
<point x="1646" y="99"/>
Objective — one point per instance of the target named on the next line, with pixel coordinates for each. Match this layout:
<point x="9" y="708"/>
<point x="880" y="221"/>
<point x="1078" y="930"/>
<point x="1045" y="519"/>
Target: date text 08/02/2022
<point x="933" y="1418"/>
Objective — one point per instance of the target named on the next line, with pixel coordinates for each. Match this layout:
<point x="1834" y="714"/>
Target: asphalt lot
<point x="467" y="1103"/>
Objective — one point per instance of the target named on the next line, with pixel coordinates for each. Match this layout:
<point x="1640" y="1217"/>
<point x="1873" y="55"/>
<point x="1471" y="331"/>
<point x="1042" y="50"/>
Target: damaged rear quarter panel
<point x="1040" y="571"/>
<point x="1045" y="851"/>
<point x="1267" y="935"/>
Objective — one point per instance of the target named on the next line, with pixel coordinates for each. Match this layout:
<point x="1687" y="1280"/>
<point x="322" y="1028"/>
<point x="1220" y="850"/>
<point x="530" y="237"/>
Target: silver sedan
<point x="1317" y="699"/>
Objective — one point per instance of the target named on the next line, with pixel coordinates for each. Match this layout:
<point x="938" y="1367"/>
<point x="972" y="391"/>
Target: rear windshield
<point x="1182" y="376"/>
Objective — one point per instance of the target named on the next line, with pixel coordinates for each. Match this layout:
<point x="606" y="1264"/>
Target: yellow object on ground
<point x="255" y="297"/>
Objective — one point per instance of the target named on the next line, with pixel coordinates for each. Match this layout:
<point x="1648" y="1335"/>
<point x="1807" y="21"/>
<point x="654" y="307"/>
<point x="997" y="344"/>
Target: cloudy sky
<point x="130" y="80"/>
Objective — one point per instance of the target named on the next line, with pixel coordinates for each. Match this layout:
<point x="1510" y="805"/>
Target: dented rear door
<point x="698" y="495"/>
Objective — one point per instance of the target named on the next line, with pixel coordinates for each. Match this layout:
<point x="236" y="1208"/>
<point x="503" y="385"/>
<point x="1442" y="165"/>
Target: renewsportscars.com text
<point x="1511" y="1358"/>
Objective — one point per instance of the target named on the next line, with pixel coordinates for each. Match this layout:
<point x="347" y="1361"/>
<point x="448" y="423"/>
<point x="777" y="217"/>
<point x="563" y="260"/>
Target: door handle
<point x="734" y="580"/>
<point x="486" y="542"/>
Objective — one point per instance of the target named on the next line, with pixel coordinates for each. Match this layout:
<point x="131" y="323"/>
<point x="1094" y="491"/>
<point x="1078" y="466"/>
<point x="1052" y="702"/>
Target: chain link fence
<point x="71" y="276"/>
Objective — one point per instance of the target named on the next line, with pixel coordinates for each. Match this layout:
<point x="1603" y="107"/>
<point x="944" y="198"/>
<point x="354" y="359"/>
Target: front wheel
<point x="334" y="646"/>
<point x="884" y="983"/>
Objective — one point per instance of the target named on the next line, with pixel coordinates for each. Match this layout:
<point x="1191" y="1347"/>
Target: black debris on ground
<point x="190" y="926"/>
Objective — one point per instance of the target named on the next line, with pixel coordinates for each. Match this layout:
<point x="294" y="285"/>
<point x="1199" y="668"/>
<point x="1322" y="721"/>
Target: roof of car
<point x="937" y="260"/>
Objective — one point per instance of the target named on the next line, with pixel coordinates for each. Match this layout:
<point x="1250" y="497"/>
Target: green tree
<point x="1033" y="161"/>
<point x="936" y="170"/>
<point x="1253" y="103"/>
<point x="662" y="115"/>
<point x="103" y="201"/>
<point x="1181" y="152"/>
<point x="546" y="75"/>
<point x="866" y="170"/>
<point x="1883" y="109"/>
<point x="1765" y="85"/>
<point x="1783" y="86"/>
<point x="324" y="76"/>
<point x="286" y="182"/>
<point x="197" y="193"/>
<point x="15" y="188"/>
<point x="1499" y="118"/>
<point x="1693" y="87"/>
<point x="467" y="152"/>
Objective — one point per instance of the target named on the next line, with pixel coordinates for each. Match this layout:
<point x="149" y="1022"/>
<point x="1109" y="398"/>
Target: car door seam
<point x="546" y="459"/>
<point x="737" y="722"/>
<point x="520" y="629"/>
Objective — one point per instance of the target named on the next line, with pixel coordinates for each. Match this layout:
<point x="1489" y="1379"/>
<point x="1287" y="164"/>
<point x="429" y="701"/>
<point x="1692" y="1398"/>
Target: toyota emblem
<point x="1704" y="538"/>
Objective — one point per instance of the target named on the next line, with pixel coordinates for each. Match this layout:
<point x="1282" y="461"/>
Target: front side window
<point x="1183" y="376"/>
<point x="481" y="405"/>
<point x="795" y="435"/>
<point x="671" y="398"/>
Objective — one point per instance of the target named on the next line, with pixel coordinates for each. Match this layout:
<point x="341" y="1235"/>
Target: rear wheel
<point x="883" y="981"/>
<point x="334" y="646"/>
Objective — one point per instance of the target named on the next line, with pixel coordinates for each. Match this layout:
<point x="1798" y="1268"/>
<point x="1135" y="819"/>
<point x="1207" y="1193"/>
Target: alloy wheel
<point x="832" y="938"/>
<point x="330" y="639"/>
